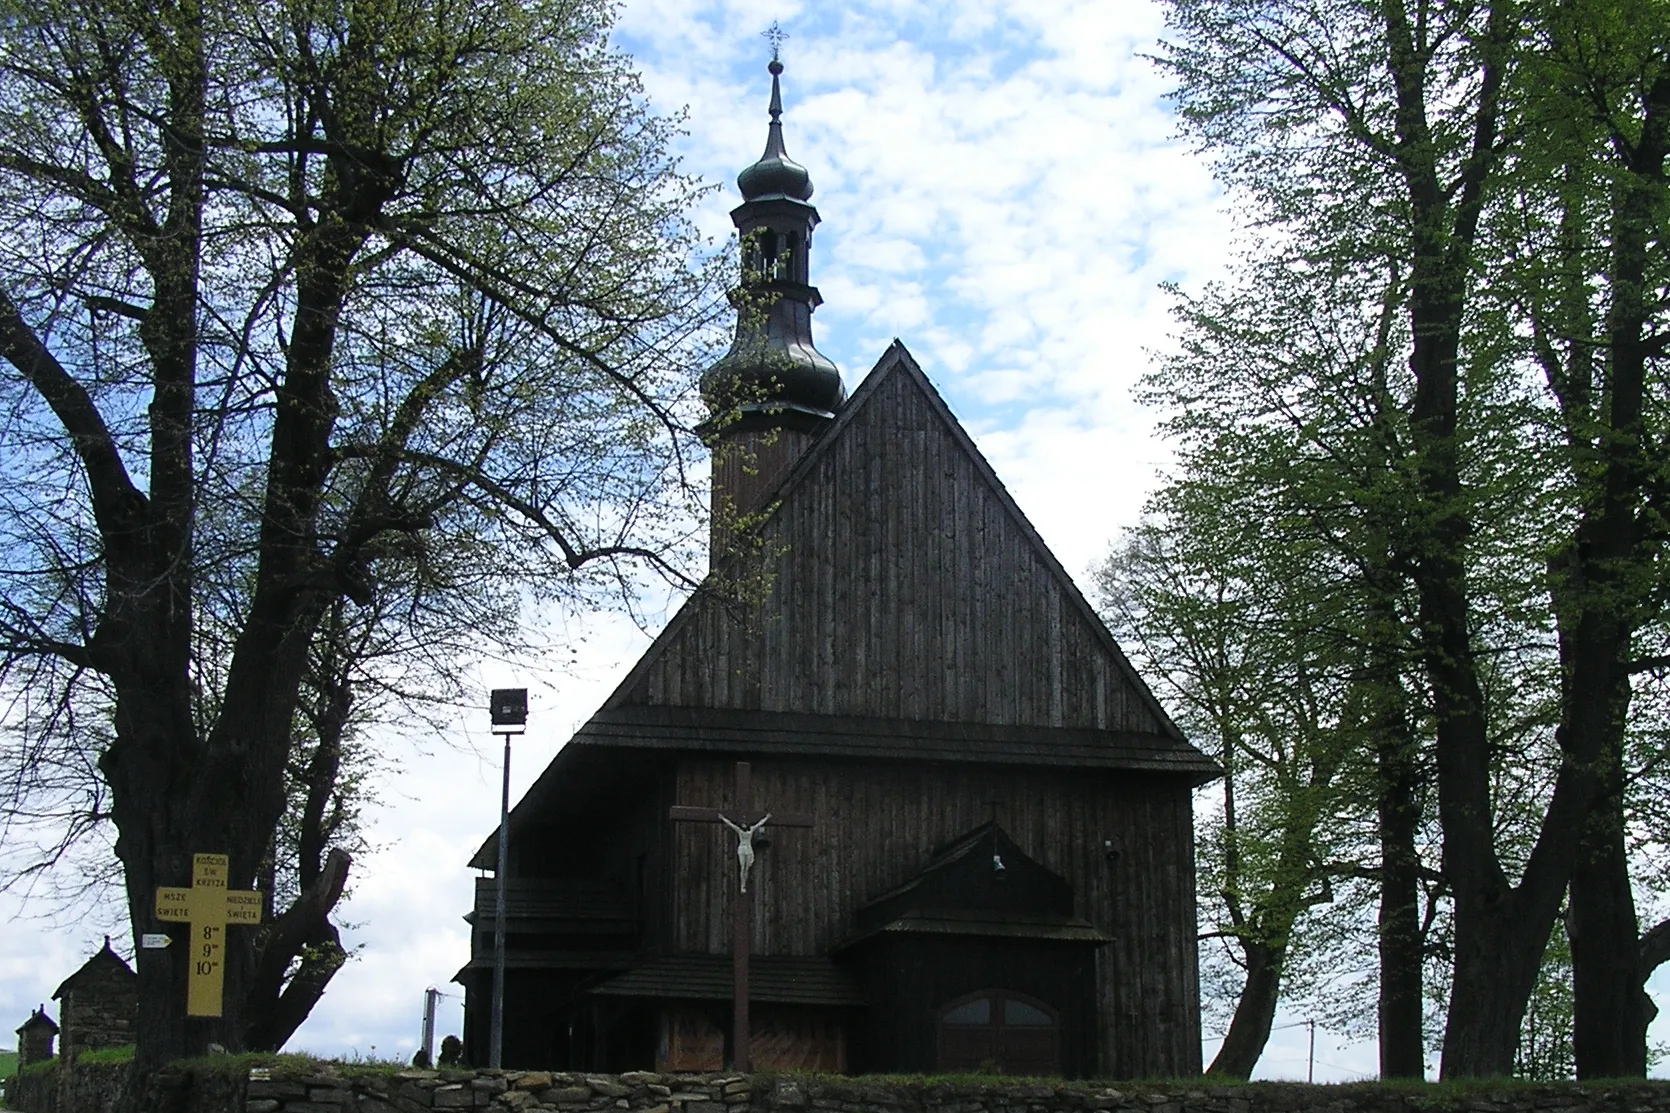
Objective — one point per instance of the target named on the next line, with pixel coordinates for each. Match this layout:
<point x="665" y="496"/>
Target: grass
<point x="123" y="1054"/>
<point x="8" y="1063"/>
<point x="290" y="1064"/>
<point x="282" y="1065"/>
<point x="1455" y="1088"/>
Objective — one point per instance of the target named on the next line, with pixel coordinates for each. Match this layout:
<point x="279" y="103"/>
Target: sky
<point x="1001" y="188"/>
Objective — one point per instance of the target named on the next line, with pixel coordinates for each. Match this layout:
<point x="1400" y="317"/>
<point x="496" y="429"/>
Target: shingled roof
<point x="39" y="1019"/>
<point x="711" y="730"/>
<point x="772" y="979"/>
<point x="102" y="966"/>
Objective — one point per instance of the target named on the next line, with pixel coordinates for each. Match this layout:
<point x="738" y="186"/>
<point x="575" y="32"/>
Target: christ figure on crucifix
<point x="737" y="818"/>
<point x="744" y="845"/>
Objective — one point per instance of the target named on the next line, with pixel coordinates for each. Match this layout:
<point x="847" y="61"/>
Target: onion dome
<point x="775" y="174"/>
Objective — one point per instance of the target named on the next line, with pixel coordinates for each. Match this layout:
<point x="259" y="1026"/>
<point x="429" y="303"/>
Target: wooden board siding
<point x="906" y="585"/>
<point x="877" y="826"/>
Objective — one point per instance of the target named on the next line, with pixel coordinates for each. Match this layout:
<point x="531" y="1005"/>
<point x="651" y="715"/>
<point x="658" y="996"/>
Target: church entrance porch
<point x="784" y="1037"/>
<point x="977" y="964"/>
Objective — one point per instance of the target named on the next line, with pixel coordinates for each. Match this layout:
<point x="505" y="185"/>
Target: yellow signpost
<point x="208" y="906"/>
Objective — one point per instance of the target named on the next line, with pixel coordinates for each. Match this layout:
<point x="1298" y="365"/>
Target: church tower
<point x="773" y="391"/>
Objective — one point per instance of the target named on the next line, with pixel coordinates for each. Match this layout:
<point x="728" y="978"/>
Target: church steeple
<point x="773" y="391"/>
<point x="774" y="376"/>
<point x="775" y="173"/>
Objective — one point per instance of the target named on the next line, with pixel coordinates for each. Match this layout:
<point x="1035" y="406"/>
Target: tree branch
<point x="117" y="503"/>
<point x="120" y="308"/>
<point x="478" y="275"/>
<point x="573" y="555"/>
<point x="1655" y="948"/>
<point x="303" y="926"/>
<point x="367" y="518"/>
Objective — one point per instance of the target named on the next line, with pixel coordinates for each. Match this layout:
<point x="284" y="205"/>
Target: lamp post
<point x="510" y="717"/>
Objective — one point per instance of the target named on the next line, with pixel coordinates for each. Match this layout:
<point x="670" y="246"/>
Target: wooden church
<point x="992" y="868"/>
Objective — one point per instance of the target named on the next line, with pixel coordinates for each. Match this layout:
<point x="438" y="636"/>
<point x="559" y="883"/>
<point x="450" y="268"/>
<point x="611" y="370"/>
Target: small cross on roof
<point x="776" y="36"/>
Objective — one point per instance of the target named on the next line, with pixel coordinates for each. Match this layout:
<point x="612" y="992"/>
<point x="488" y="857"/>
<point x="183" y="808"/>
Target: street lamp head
<point x="510" y="707"/>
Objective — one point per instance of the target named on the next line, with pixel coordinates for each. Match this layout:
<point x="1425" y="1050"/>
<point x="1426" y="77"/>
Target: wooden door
<point x="994" y="1031"/>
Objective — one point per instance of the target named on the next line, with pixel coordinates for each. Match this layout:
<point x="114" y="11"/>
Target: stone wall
<point x="80" y="1088"/>
<point x="205" y="1087"/>
<point x="415" y="1091"/>
<point x="34" y="1090"/>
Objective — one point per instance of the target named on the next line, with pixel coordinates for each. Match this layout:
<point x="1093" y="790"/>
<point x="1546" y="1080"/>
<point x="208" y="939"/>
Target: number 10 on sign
<point x="208" y="906"/>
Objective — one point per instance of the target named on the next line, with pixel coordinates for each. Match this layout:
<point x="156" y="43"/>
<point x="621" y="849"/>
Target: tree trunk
<point x="149" y="766"/>
<point x="1255" y="1011"/>
<point x="1501" y="930"/>
<point x="1496" y="966"/>
<point x="1607" y="570"/>
<point x="1402" y="1043"/>
<point x="1265" y="936"/>
<point x="160" y="853"/>
<point x="173" y="796"/>
<point x="1609" y="1030"/>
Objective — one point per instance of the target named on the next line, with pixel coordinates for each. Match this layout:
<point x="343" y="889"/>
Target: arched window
<point x="998" y="1031"/>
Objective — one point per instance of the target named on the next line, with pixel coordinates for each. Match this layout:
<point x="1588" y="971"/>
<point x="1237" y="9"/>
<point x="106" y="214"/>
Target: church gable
<point x="906" y="586"/>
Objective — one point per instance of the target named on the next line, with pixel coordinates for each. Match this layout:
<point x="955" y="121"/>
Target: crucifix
<point x="745" y="822"/>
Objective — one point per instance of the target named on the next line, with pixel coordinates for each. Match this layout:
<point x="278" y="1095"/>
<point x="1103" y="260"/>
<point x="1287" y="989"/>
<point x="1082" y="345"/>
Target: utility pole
<point x="1310" y="1064"/>
<point x="431" y="997"/>
<point x="510" y="717"/>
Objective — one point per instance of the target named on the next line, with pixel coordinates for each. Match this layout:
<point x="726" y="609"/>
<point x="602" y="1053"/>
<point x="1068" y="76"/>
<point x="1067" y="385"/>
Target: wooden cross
<point x="744" y="816"/>
<point x="208" y="906"/>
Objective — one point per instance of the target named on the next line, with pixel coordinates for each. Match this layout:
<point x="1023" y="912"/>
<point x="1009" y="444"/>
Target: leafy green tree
<point x="1223" y="644"/>
<point x="303" y="300"/>
<point x="1264" y="570"/>
<point x="1586" y="276"/>
<point x="1413" y="132"/>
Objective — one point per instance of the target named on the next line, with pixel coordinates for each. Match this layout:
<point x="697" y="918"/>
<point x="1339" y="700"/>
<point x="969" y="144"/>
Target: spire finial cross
<point x="776" y="36"/>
